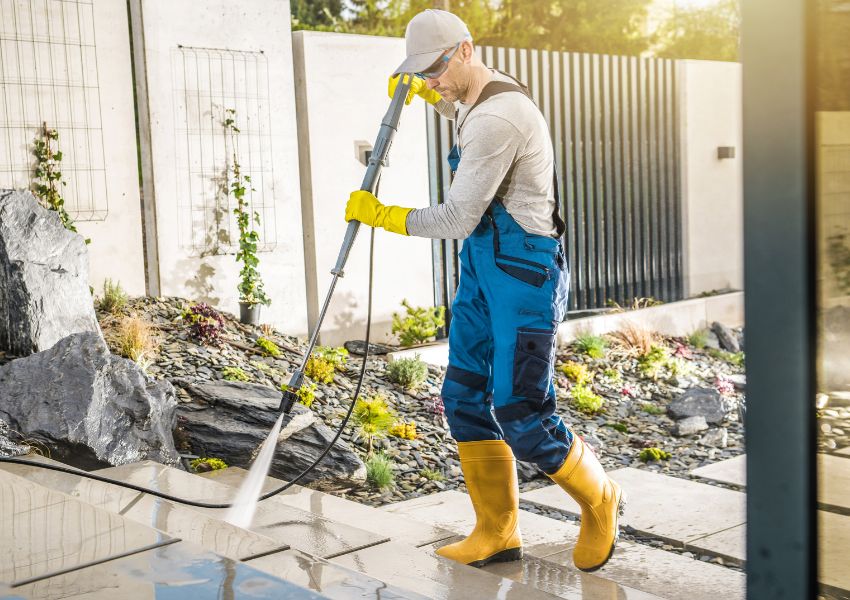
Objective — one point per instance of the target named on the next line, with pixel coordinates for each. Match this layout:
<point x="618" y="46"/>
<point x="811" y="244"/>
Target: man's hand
<point x="418" y="87"/>
<point x="364" y="207"/>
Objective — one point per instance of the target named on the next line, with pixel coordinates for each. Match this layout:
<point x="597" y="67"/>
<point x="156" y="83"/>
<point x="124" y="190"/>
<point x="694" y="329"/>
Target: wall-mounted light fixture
<point x="725" y="152"/>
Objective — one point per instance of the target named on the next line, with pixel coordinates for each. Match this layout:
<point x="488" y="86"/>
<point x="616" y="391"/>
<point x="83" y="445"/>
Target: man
<point x="498" y="391"/>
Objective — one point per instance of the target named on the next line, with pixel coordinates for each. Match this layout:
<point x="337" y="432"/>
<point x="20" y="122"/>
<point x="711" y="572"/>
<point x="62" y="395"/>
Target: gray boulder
<point x="717" y="437"/>
<point x="44" y="270"/>
<point x="230" y="420"/>
<point x="89" y="408"/>
<point x="690" y="426"/>
<point x="705" y="402"/>
<point x="8" y="447"/>
<point x="726" y="337"/>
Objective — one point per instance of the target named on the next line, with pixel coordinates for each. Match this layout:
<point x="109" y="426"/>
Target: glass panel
<point x="832" y="168"/>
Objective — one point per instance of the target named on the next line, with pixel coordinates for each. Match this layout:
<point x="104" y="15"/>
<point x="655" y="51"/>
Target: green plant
<point x="419" y="324"/>
<point x="699" y="338"/>
<point x="585" y="400"/>
<point x="733" y="358"/>
<point x="373" y="418"/>
<point x="319" y="369"/>
<point x="621" y="427"/>
<point x="576" y="372"/>
<point x="305" y="394"/>
<point x="612" y="375"/>
<point x="48" y="175"/>
<point x="114" y="297"/>
<point x="648" y="454"/>
<point x="268" y="346"/>
<point x="652" y="409"/>
<point x="336" y="356"/>
<point x="651" y="362"/>
<point x="262" y="367"/>
<point x="234" y="374"/>
<point x="207" y="464"/>
<point x="250" y="283"/>
<point x="635" y="338"/>
<point x="432" y="475"/>
<point x="409" y="373"/>
<point x="637" y="304"/>
<point x="205" y="323"/>
<point x="404" y="430"/>
<point x="679" y="367"/>
<point x="379" y="471"/>
<point x="593" y="346"/>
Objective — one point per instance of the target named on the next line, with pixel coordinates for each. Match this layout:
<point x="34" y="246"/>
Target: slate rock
<point x="90" y="408"/>
<point x="717" y="437"/>
<point x="698" y="401"/>
<point x="8" y="447"/>
<point x="726" y="337"/>
<point x="358" y="346"/>
<point x="230" y="420"/>
<point x="690" y="426"/>
<point x="527" y="471"/>
<point x="44" y="270"/>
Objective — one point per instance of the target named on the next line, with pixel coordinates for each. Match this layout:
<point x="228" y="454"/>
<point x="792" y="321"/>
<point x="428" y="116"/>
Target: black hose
<point x="269" y="494"/>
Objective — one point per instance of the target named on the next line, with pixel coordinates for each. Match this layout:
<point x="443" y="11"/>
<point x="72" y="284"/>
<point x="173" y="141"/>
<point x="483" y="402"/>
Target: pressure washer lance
<point x="378" y="159"/>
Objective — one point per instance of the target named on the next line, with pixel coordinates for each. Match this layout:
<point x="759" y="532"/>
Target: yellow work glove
<point x="418" y="87"/>
<point x="364" y="207"/>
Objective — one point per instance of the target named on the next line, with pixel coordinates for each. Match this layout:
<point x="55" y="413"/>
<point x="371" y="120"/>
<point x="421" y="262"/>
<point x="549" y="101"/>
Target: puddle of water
<point x="244" y="506"/>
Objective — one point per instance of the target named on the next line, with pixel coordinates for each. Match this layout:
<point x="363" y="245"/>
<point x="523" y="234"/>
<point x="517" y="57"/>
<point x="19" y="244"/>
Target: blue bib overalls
<point x="499" y="383"/>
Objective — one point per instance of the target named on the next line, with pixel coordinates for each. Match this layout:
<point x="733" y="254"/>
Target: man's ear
<point x="467" y="51"/>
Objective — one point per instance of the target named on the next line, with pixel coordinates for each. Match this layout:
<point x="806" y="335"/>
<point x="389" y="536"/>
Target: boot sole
<point x="621" y="508"/>
<point x="509" y="555"/>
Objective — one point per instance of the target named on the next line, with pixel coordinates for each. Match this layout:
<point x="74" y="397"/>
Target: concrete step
<point x="834" y="540"/>
<point x="732" y="471"/>
<point x="176" y="519"/>
<point x="688" y="514"/>
<point x="635" y="570"/>
<point x="276" y="520"/>
<point x="45" y="532"/>
<point x="401" y="529"/>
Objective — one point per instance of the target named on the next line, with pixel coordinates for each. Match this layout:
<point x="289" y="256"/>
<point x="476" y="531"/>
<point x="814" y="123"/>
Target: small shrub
<point x="682" y="350"/>
<point x="268" y="346"/>
<point x="379" y="471"/>
<point x="576" y="372"/>
<point x="373" y="418"/>
<point x="114" y="297"/>
<point x="621" y="427"/>
<point x="629" y="391"/>
<point x="336" y="356"/>
<point x="733" y="358"/>
<point x="409" y="373"/>
<point x="637" y="304"/>
<point x="679" y="367"/>
<point x="203" y="465"/>
<point x="404" y="430"/>
<point x="136" y="340"/>
<point x="305" y="394"/>
<point x="612" y="375"/>
<point x="699" y="338"/>
<point x="635" y="338"/>
<point x="318" y="369"/>
<point x="592" y="346"/>
<point x="419" y="324"/>
<point x="648" y="454"/>
<point x="724" y="387"/>
<point x="234" y="374"/>
<point x="585" y="400"/>
<point x="262" y="367"/>
<point x="436" y="406"/>
<point x="432" y="475"/>
<point x="652" y="409"/>
<point x="650" y="363"/>
<point x="205" y="323"/>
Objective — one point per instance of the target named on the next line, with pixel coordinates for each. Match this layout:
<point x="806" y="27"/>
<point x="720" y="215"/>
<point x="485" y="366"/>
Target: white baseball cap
<point x="428" y="35"/>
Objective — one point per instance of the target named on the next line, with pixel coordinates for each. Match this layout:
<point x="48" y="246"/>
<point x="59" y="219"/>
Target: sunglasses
<point x="440" y="66"/>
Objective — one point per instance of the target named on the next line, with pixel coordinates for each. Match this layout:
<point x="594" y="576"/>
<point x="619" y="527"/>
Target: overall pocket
<point x="533" y="362"/>
<point x="522" y="269"/>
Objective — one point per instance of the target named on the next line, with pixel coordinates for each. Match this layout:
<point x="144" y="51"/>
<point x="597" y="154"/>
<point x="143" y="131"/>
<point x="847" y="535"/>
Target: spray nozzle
<point x="290" y="394"/>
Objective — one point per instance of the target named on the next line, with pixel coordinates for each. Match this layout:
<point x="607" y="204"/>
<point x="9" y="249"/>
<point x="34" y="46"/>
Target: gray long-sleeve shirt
<point x="505" y="132"/>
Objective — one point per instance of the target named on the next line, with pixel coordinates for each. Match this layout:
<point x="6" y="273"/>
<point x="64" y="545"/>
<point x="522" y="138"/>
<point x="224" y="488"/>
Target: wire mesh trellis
<point x="614" y="127"/>
<point x="208" y="82"/>
<point x="49" y="74"/>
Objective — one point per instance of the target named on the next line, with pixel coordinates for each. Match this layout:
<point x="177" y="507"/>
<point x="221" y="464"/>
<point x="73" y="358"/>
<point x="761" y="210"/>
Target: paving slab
<point x="833" y="542"/>
<point x="44" y="532"/>
<point x="731" y="545"/>
<point x="297" y="528"/>
<point x="434" y="576"/>
<point x="844" y="451"/>
<point x="834" y="483"/>
<point x="406" y="530"/>
<point x="633" y="567"/>
<point x="331" y="580"/>
<point x="175" y="519"/>
<point x="673" y="509"/>
<point x="179" y="570"/>
<point x="732" y="471"/>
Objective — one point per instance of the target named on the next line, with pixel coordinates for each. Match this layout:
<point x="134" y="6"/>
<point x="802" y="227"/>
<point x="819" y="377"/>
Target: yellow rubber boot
<point x="601" y="501"/>
<point x="490" y="473"/>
